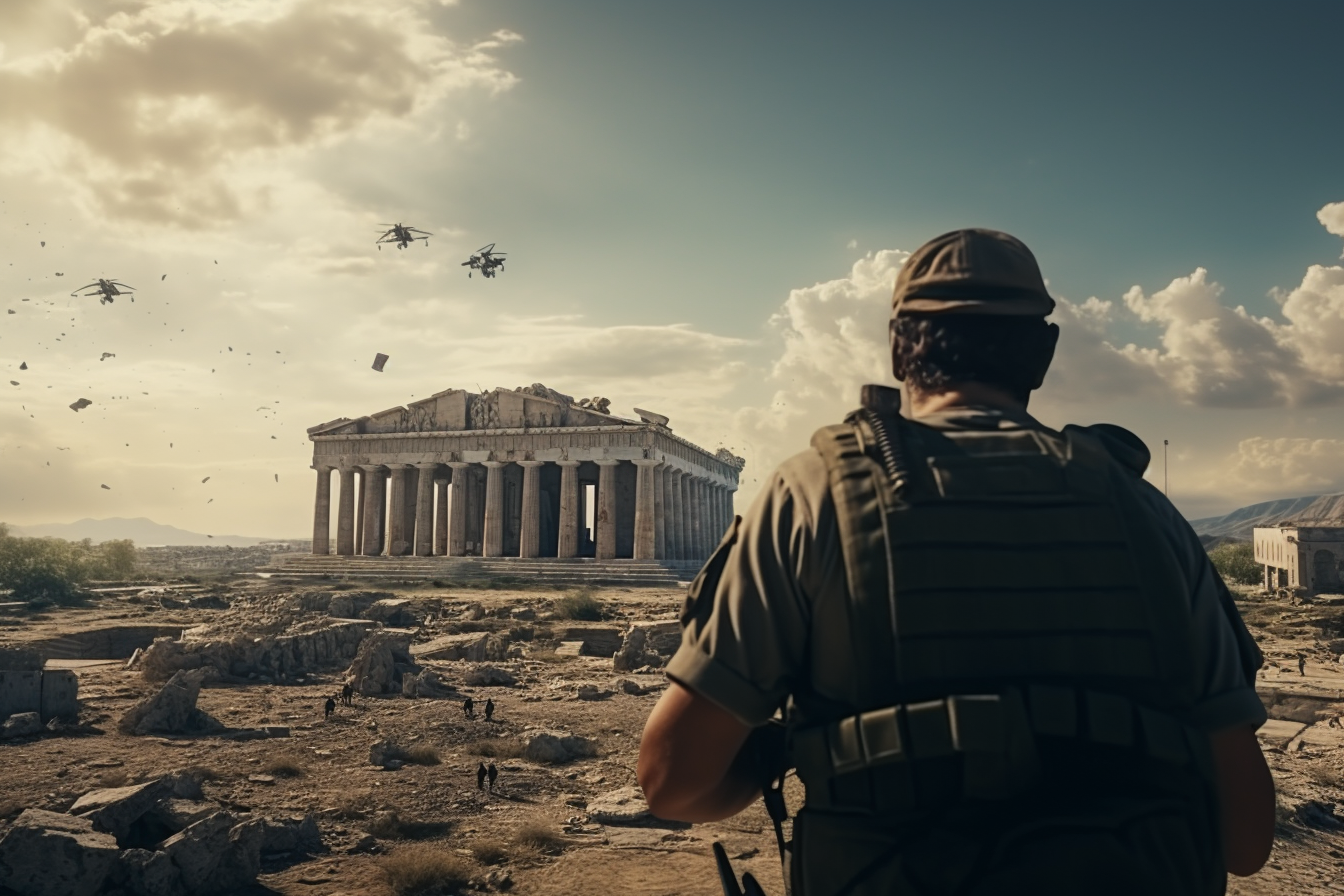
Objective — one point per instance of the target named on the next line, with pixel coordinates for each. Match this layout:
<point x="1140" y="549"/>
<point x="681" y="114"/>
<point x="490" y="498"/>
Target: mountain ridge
<point x="1240" y="522"/>
<point x="142" y="530"/>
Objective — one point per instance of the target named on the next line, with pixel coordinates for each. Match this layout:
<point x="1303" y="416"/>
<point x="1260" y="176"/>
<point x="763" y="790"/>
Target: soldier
<point x="328" y="708"/>
<point x="347" y="694"/>
<point x="1004" y="661"/>
<point x="469" y="708"/>
<point x="489" y="709"/>
<point x="480" y="775"/>
<point x="493" y="773"/>
<point x="1301" y="665"/>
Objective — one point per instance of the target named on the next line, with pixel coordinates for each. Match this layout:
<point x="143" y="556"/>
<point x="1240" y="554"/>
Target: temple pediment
<point x="458" y="410"/>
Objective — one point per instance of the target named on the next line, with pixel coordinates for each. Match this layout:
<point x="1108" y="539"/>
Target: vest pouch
<point x="1119" y="848"/>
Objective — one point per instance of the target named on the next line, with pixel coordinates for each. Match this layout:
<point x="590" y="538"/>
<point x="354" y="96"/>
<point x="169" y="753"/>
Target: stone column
<point x="569" y="509"/>
<point x="322" y="512"/>
<point x="606" y="510"/>
<point x="359" y="511"/>
<point x="398" y="541"/>
<point x="345" y="513"/>
<point x="697" y="516"/>
<point x="373" y="510"/>
<point x="529" y="539"/>
<point x="712" y="530"/>
<point x="440" y="517"/>
<point x="493" y="539"/>
<point x="645" y="509"/>
<point x="680" y="525"/>
<point x="424" y="510"/>
<point x="660" y="511"/>
<point x="457" y="516"/>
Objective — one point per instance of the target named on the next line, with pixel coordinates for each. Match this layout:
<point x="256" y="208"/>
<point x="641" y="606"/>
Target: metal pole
<point x="1164" y="467"/>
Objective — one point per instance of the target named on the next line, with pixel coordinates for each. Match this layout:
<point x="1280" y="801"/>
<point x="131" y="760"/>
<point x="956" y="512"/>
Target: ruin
<point x="1301" y="557"/>
<point x="527" y="473"/>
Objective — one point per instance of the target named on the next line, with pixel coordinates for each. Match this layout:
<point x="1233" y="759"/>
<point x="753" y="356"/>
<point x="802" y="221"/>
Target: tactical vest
<point x="1020" y="679"/>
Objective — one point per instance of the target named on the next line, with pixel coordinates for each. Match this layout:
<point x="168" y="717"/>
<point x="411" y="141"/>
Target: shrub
<point x="416" y="870"/>
<point x="51" y="570"/>
<point x="580" y="605"/>
<point x="389" y="825"/>
<point x="284" y="767"/>
<point x="496" y="748"/>
<point x="539" y="837"/>
<point x="1236" y="563"/>
<point x="422" y="754"/>
<point x="489" y="852"/>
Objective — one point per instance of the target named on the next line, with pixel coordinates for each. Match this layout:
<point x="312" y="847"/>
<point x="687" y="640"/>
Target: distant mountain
<point x="144" y="532"/>
<point x="1240" y="522"/>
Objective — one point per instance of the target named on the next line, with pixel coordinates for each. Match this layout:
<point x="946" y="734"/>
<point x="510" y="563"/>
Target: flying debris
<point x="401" y="235"/>
<point x="107" y="290"/>
<point x="164" y="277"/>
<point x="23" y="365"/>
<point x="59" y="448"/>
<point x="378" y="361"/>
<point x="59" y="274"/>
<point x="277" y="475"/>
<point x="486" y="260"/>
<point x="16" y="382"/>
<point x="12" y="311"/>
<point x="108" y="487"/>
<point x="205" y="480"/>
<point x="211" y="501"/>
<point x="106" y="355"/>
<point x="44" y="244"/>
<point x="82" y="403"/>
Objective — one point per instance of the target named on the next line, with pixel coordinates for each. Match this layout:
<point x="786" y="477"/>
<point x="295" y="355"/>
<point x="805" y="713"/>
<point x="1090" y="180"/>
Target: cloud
<point x="1332" y="218"/>
<point x="1290" y="464"/>
<point x="153" y="113"/>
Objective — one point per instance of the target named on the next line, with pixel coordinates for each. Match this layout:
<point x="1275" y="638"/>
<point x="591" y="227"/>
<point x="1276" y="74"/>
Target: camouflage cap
<point x="971" y="271"/>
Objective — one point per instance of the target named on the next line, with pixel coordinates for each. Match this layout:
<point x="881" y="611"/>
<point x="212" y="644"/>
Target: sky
<point x="704" y="207"/>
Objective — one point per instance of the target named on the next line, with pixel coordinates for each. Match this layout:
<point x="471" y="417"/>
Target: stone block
<point x="215" y="855"/>
<point x="151" y="873"/>
<point x="20" y="691"/>
<point x="552" y="748"/>
<point x="598" y="640"/>
<point x="21" y="724"/>
<point x="469" y="646"/>
<point x="116" y="810"/>
<point x="60" y="694"/>
<point x="50" y="854"/>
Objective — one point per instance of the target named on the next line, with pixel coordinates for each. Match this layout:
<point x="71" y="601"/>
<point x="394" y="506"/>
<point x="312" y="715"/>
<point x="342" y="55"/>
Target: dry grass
<point x="353" y="806"/>
<point x="389" y="825"/>
<point x="539" y="837"/>
<point x="419" y="869"/>
<point x="422" y="754"/>
<point x="496" y="748"/>
<point x="580" y="605"/>
<point x="284" y="767"/>
<point x="490" y="852"/>
<point x="203" y="773"/>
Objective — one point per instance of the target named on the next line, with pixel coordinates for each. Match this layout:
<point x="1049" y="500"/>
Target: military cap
<point x="973" y="271"/>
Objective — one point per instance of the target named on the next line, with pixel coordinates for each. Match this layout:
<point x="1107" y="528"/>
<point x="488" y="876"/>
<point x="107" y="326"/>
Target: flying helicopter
<point x="485" y="260"/>
<point x="106" y="290"/>
<point x="402" y="236"/>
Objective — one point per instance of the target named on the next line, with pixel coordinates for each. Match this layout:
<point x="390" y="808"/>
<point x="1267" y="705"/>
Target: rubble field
<point x="203" y="759"/>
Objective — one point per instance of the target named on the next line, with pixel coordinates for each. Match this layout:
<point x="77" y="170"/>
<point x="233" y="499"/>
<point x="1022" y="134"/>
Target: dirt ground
<point x="533" y="827"/>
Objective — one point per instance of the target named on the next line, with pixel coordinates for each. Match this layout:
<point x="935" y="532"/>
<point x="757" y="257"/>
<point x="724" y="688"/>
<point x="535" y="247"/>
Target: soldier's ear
<point x="897" y="367"/>
<point x="1048" y="344"/>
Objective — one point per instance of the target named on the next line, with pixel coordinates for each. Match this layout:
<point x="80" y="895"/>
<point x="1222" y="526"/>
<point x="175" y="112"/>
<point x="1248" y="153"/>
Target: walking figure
<point x="329" y="707"/>
<point x="493" y="773"/>
<point x="1301" y="665"/>
<point x="489" y="709"/>
<point x="480" y="776"/>
<point x="347" y="694"/>
<point x="469" y="708"/>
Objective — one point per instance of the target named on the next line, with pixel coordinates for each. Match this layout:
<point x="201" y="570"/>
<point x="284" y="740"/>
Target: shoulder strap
<point x="856" y="489"/>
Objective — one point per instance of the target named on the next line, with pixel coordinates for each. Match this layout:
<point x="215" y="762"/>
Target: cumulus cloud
<point x="151" y="112"/>
<point x="1332" y="218"/>
<point x="1290" y="464"/>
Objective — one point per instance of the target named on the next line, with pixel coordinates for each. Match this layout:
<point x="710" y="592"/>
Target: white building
<point x="1307" y="557"/>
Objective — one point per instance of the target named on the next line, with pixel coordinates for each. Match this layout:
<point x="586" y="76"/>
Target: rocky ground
<point x="556" y="822"/>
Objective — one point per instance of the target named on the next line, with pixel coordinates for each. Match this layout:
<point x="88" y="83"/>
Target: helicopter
<point x="402" y="236"/>
<point x="106" y="290"/>
<point x="485" y="260"/>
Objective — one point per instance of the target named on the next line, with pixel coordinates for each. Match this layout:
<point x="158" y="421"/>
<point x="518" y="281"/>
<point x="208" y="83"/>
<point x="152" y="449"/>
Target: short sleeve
<point x="1226" y="656"/>
<point x="745" y="624"/>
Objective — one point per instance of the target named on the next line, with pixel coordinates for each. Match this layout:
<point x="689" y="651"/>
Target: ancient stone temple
<point x="524" y="473"/>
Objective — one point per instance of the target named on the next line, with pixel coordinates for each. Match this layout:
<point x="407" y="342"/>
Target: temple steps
<point x="505" y="570"/>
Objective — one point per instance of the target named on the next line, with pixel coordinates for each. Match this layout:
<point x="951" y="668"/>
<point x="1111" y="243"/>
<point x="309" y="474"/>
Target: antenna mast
<point x="1164" y="467"/>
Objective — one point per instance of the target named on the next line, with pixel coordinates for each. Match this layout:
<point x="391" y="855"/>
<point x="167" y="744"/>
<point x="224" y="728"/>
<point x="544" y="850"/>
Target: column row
<point x="423" y="510"/>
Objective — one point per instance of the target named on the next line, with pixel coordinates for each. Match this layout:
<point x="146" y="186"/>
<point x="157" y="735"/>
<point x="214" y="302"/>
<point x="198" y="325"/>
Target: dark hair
<point x="936" y="351"/>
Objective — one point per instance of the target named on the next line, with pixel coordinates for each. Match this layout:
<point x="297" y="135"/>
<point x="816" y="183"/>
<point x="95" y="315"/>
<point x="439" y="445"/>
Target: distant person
<point x="469" y="708"/>
<point x="1301" y="665"/>
<point x="1004" y="660"/>
<point x="489" y="709"/>
<point x="347" y="694"/>
<point x="493" y="773"/>
<point x="328" y="708"/>
<point x="481" y="772"/>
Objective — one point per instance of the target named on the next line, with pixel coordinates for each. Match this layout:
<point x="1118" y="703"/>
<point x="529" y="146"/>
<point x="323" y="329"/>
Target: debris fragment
<point x="59" y="274"/>
<point x="164" y="277"/>
<point x="82" y="403"/>
<point x="106" y="355"/>
<point x="13" y="382"/>
<point x="44" y="244"/>
<point x="23" y="365"/>
<point x="211" y="501"/>
<point x="378" y="361"/>
<point x="277" y="475"/>
<point x="12" y="311"/>
<point x="108" y="487"/>
<point x="205" y="480"/>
